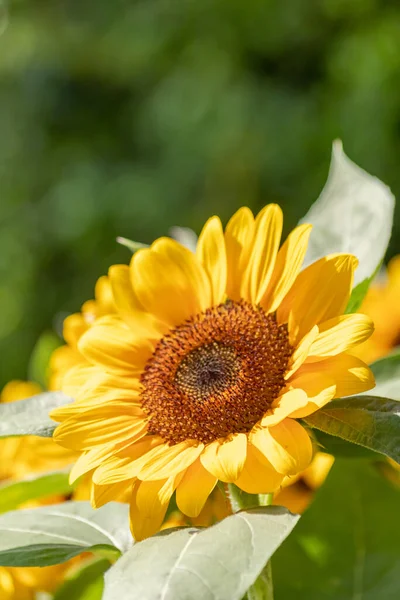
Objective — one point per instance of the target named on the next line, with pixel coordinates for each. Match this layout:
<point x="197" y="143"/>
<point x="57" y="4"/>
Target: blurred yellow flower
<point x="208" y="362"/>
<point x="298" y="494"/>
<point x="382" y="305"/>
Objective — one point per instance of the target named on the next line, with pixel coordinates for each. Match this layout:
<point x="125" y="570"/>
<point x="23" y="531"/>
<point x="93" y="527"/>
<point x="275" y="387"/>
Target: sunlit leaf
<point x="387" y="376"/>
<point x="31" y="416"/>
<point x="217" y="563"/>
<point x="353" y="214"/>
<point x="53" y="534"/>
<point x="369" y="421"/>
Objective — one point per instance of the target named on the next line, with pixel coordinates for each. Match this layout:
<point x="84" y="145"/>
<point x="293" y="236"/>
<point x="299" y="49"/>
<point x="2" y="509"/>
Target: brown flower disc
<point x="215" y="374"/>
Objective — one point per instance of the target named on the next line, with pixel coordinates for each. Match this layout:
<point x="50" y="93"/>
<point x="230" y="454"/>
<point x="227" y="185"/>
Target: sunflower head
<point x="210" y="358"/>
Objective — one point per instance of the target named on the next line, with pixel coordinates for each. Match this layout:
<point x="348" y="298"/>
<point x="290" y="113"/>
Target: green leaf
<point x="346" y="545"/>
<point x="87" y="583"/>
<point x="387" y="376"/>
<point x="353" y="214"/>
<point x="14" y="493"/>
<point x="341" y="448"/>
<point x="53" y="534"/>
<point x="369" y="421"/>
<point x="131" y="245"/>
<point x="217" y="563"/>
<point x="31" y="416"/>
<point x="360" y="291"/>
<point x="40" y="357"/>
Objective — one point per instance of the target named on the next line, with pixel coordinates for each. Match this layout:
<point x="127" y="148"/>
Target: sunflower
<point x="68" y="356"/>
<point x="208" y="362"/>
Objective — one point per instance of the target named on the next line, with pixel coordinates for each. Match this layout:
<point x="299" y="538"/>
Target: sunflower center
<point x="216" y="374"/>
<point x="207" y="370"/>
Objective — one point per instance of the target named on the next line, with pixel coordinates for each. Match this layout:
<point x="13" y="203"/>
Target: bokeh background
<point x="127" y="117"/>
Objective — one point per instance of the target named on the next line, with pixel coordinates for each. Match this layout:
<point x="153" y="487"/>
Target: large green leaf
<point x="217" y="563"/>
<point x="31" y="416"/>
<point x="369" y="421"/>
<point x="14" y="493"/>
<point x="347" y="544"/>
<point x="354" y="214"/>
<point x="339" y="447"/>
<point x="387" y="376"/>
<point x="52" y="534"/>
<point x="87" y="583"/>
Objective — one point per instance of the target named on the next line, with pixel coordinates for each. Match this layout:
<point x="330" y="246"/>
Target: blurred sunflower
<point x="206" y="365"/>
<point x="382" y="305"/>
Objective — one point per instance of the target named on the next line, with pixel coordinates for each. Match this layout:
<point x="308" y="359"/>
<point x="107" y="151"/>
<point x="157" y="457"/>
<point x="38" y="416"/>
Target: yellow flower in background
<point x="11" y="587"/>
<point x="382" y="305"/>
<point x="68" y="356"/>
<point x="297" y="495"/>
<point x="206" y="365"/>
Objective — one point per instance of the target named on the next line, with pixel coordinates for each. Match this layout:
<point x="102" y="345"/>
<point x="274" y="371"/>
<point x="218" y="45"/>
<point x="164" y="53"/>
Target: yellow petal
<point x="350" y="374"/>
<point x="108" y="396"/>
<point x="123" y="464"/>
<point x="267" y="237"/>
<point x="80" y="378"/>
<point x="319" y="293"/>
<point x="340" y="334"/>
<point x="286" y="445"/>
<point x="258" y="476"/>
<point x="289" y="401"/>
<point x="212" y="255"/>
<point x="149" y="504"/>
<point x="194" y="489"/>
<point x="111" y="344"/>
<point x="166" y="461"/>
<point x="170" y="282"/>
<point x="320" y="388"/>
<point x="225" y="459"/>
<point x="106" y="424"/>
<point x="238" y="238"/>
<point x="101" y="494"/>
<point x="129" y="307"/>
<point x="288" y="264"/>
<point x="302" y="351"/>
<point x="90" y="460"/>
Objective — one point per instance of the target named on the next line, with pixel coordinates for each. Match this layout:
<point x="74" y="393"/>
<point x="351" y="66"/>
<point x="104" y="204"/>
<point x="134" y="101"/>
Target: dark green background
<point x="125" y="118"/>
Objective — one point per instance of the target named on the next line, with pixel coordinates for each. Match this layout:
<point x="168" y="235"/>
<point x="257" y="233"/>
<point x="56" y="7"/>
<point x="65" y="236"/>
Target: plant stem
<point x="262" y="588"/>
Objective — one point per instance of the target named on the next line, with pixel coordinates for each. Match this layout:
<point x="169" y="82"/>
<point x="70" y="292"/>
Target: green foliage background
<point x="128" y="117"/>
